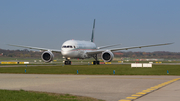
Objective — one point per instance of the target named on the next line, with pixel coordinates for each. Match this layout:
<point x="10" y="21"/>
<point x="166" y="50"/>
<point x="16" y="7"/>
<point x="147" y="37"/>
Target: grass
<point x="121" y="69"/>
<point x="11" y="95"/>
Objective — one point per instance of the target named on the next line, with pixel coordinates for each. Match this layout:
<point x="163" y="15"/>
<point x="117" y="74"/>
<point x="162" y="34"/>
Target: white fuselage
<point x="77" y="49"/>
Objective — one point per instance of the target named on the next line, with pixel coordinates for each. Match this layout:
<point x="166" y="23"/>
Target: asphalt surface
<point x="168" y="93"/>
<point x="105" y="87"/>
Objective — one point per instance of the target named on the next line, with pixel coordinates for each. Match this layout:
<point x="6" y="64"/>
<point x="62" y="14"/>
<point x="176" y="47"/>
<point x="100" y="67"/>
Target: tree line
<point x="22" y="53"/>
<point x="36" y="54"/>
<point x="156" y="54"/>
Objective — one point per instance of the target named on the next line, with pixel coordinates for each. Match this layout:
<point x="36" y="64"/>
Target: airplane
<point x="83" y="49"/>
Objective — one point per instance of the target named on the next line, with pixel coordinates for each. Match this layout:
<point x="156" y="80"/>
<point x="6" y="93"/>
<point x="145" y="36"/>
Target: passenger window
<point x="70" y="46"/>
<point x="74" y="47"/>
<point x="67" y="46"/>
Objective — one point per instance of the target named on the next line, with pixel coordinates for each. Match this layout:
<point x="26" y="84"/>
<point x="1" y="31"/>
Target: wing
<point x="125" y="48"/>
<point x="37" y="48"/>
<point x="107" y="46"/>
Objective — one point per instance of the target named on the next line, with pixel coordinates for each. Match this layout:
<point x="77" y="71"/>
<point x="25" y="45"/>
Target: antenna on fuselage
<point x="92" y="37"/>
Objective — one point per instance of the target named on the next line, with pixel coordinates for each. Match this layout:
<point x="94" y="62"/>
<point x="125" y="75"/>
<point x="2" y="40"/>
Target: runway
<point x="105" y="87"/>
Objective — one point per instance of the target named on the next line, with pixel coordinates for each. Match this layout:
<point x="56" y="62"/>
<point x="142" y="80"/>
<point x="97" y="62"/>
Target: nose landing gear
<point x="67" y="62"/>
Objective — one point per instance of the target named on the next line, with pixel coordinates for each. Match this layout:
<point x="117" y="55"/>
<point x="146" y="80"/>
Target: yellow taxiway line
<point x="149" y="90"/>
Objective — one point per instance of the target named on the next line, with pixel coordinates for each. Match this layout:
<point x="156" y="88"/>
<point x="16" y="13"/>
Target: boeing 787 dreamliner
<point x="83" y="49"/>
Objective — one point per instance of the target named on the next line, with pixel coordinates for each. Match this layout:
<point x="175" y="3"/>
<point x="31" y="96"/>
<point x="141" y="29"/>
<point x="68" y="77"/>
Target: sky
<point x="49" y="23"/>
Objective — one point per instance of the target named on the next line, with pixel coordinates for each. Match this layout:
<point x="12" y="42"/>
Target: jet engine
<point x="107" y="56"/>
<point x="47" y="56"/>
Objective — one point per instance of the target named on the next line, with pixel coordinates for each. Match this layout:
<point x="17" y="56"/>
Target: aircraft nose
<point x="65" y="53"/>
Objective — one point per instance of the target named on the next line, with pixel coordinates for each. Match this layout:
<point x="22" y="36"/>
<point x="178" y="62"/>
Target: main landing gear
<point x="67" y="62"/>
<point x="95" y="62"/>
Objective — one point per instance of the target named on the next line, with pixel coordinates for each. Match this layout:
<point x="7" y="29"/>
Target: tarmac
<point x="105" y="87"/>
<point x="168" y="93"/>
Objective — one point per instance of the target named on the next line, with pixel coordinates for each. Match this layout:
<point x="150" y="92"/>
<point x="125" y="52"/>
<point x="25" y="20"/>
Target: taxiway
<point x="105" y="87"/>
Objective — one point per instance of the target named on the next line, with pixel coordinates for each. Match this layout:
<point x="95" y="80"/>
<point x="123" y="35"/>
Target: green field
<point x="7" y="95"/>
<point x="122" y="69"/>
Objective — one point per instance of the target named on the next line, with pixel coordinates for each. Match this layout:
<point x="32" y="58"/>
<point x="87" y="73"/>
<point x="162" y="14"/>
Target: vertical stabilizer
<point x="92" y="37"/>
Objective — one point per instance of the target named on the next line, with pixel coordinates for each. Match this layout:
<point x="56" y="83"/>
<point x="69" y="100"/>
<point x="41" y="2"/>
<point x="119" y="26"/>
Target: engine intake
<point x="47" y="56"/>
<point x="107" y="56"/>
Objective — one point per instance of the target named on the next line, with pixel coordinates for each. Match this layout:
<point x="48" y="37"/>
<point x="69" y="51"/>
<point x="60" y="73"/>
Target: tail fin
<point x="92" y="37"/>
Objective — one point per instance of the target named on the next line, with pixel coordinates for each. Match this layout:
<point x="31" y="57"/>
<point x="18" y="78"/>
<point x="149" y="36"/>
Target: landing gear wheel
<point x="67" y="62"/>
<point x="95" y="62"/>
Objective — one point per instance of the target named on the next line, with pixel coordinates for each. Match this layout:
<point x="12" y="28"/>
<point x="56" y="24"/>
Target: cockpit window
<point x="63" y="46"/>
<point x="67" y="46"/>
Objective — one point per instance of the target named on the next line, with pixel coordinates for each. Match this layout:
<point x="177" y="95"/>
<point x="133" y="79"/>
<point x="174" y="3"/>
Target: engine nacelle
<point x="47" y="56"/>
<point x="107" y="56"/>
